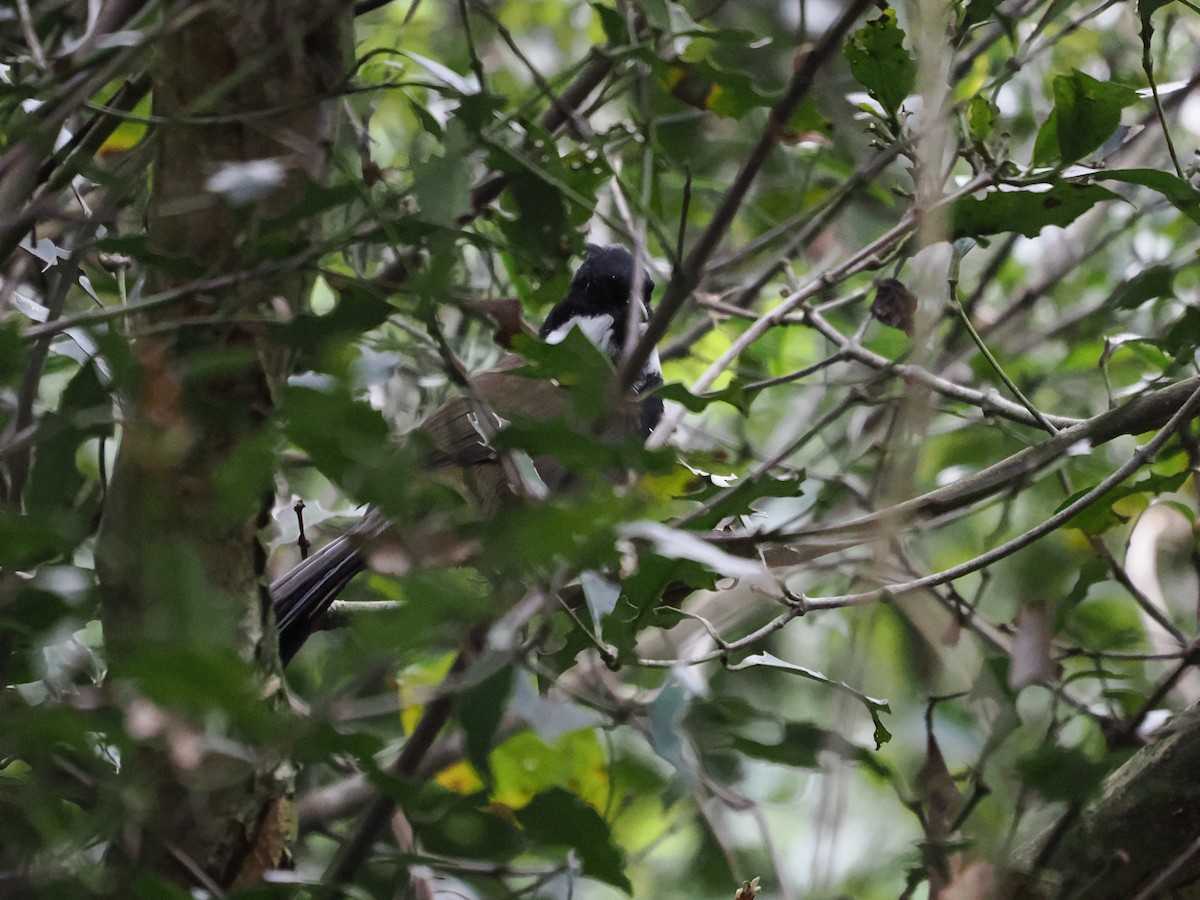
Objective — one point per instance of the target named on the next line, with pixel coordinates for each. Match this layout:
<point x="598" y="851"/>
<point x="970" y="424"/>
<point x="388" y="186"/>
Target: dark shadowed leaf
<point x="1025" y="211"/>
<point x="873" y="706"/>
<point x="1154" y="282"/>
<point x="1063" y="773"/>
<point x="559" y="818"/>
<point x="480" y="708"/>
<point x="84" y="412"/>
<point x="801" y="745"/>
<point x="1086" y="113"/>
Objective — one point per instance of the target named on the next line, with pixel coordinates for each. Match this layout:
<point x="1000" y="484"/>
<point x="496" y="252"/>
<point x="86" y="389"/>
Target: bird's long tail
<point x="304" y="594"/>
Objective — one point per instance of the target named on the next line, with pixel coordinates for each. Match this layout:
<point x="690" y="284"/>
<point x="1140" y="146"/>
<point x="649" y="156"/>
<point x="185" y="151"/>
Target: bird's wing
<point x="453" y="430"/>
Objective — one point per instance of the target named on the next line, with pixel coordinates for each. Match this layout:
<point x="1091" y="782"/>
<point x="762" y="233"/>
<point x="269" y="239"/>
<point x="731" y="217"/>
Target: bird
<point x="598" y="305"/>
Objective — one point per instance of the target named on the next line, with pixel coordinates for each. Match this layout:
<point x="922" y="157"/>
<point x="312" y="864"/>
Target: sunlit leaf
<point x="981" y="119"/>
<point x="1103" y="515"/>
<point x="879" y="62"/>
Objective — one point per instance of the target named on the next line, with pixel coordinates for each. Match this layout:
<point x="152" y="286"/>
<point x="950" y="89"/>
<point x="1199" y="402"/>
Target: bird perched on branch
<point x="598" y="304"/>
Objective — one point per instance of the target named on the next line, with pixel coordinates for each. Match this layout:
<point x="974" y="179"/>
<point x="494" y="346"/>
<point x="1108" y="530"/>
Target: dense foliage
<point x="908" y="570"/>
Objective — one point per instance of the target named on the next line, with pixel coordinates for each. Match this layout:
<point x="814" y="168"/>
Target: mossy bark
<point x="180" y="562"/>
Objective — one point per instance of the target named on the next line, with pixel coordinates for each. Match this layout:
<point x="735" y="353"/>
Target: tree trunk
<point x="1144" y="827"/>
<point x="180" y="563"/>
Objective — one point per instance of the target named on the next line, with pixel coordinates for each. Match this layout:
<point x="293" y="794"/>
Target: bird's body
<point x="598" y="305"/>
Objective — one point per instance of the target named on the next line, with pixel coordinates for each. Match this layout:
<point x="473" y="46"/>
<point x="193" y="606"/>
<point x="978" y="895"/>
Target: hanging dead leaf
<point x="1030" y="651"/>
<point x="895" y="305"/>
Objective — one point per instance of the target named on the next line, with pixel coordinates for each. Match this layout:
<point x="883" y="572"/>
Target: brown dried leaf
<point x="973" y="881"/>
<point x="506" y="314"/>
<point x="942" y="797"/>
<point x="1030" y="652"/>
<point x="894" y="305"/>
<point x="748" y="890"/>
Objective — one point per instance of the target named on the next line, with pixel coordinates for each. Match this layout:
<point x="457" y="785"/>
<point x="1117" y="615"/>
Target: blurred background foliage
<point x="902" y="743"/>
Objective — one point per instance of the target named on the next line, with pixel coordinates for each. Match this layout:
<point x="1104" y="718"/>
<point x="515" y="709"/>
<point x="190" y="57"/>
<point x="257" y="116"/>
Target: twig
<point x="895" y="591"/>
<point x="1156" y="887"/>
<point x="302" y="540"/>
<point x="570" y="115"/>
<point x="162" y="298"/>
<point x="987" y="403"/>
<point x="594" y="71"/>
<point x="31" y="38"/>
<point x="1148" y="606"/>
<point x="965" y="319"/>
<point x="688" y="273"/>
<point x="354" y="852"/>
<point x="1129" y="728"/>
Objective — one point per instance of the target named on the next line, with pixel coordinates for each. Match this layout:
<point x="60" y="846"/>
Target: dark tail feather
<point x="303" y="595"/>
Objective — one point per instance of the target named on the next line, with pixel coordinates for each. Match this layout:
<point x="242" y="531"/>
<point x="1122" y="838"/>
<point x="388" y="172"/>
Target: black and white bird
<point x="598" y="304"/>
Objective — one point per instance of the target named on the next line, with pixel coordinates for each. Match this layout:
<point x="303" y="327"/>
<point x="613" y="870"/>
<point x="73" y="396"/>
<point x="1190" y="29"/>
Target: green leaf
<point x="580" y="452"/>
<point x="438" y="604"/>
<point x="26" y="540"/>
<point x="1086" y="113"/>
<point x="480" y="709"/>
<point x="879" y="62"/>
<point x="1146" y="9"/>
<point x="557" y="817"/>
<point x="1183" y="337"/>
<point x="616" y="31"/>
<point x="1177" y="192"/>
<point x="1025" y="211"/>
<point x="874" y="706"/>
<point x="979" y="11"/>
<point x="1100" y="515"/>
<point x="460" y="826"/>
<point x="442" y="184"/>
<point x="12" y="350"/>
<point x="981" y="119"/>
<point x="600" y="594"/>
<point x="1062" y="773"/>
<point x="358" y="310"/>
<point x="733" y="395"/>
<point x="428" y="123"/>
<point x="1154" y="282"/>
<point x="801" y="745"/>
<point x="351" y="444"/>
<point x="84" y="412"/>
<point x="478" y="110"/>
<point x="738" y="498"/>
<point x="702" y="85"/>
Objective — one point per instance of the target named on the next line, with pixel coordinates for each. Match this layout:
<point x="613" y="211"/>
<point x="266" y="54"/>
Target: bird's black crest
<point x="600" y="287"/>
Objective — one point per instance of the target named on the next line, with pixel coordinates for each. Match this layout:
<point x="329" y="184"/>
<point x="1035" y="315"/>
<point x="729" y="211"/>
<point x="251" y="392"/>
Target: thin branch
<point x="989" y="403"/>
<point x="1160" y="884"/>
<point x="688" y="273"/>
<point x="354" y="852"/>
<point x="1148" y="606"/>
<point x="965" y="319"/>
<point x="1139" y="459"/>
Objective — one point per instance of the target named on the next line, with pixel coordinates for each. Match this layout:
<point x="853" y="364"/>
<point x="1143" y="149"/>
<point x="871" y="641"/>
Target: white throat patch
<point x="597" y="329"/>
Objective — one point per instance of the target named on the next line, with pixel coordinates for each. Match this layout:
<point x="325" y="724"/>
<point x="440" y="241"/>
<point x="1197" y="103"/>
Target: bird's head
<point x="598" y="305"/>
